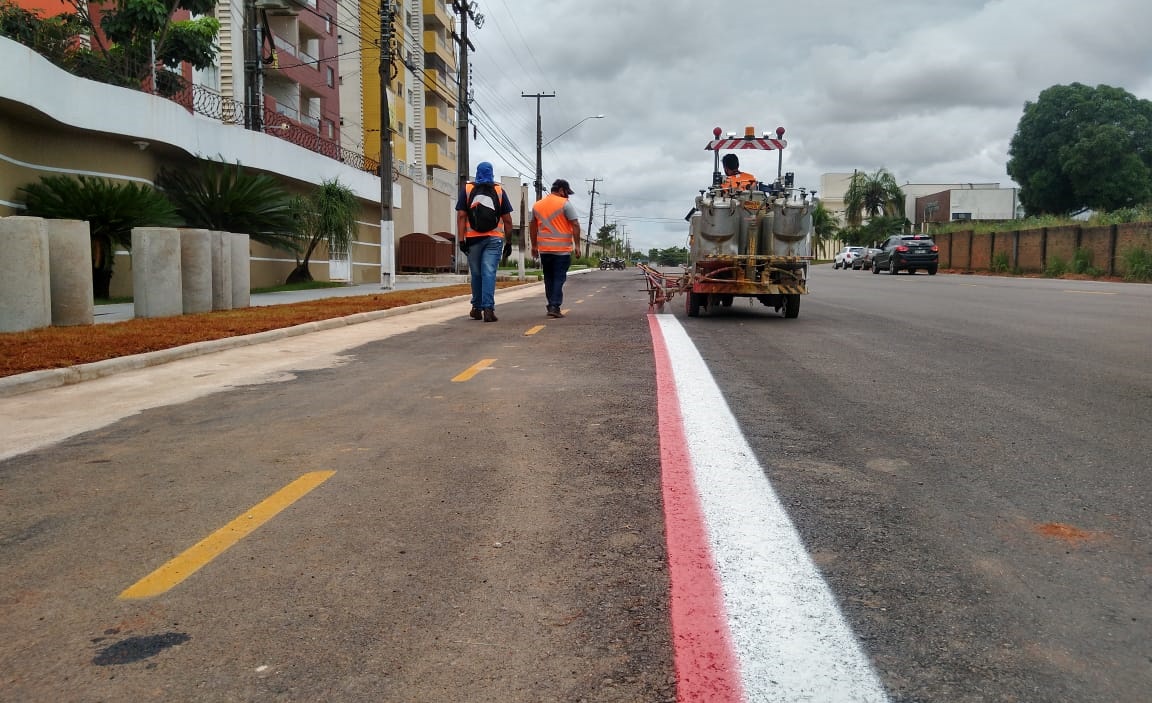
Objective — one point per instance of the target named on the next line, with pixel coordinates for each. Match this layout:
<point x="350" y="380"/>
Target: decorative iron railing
<point x="211" y="104"/>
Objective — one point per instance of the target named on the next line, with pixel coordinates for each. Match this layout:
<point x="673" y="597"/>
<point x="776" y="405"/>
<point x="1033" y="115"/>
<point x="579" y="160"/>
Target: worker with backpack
<point x="483" y="220"/>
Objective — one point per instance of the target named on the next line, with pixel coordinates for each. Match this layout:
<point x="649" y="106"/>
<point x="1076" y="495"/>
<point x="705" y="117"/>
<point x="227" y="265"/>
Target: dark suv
<point x="907" y="252"/>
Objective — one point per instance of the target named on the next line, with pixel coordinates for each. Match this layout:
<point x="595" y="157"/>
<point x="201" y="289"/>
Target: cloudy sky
<point x="930" y="90"/>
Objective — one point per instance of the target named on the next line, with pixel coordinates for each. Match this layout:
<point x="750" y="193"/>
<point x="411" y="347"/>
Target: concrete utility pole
<point x="253" y="110"/>
<point x="466" y="10"/>
<point x="539" y="141"/>
<point x="591" y="209"/>
<point x="387" y="73"/>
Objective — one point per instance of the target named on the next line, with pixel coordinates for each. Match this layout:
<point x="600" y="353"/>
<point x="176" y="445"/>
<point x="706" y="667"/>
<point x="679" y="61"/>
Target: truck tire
<point x="692" y="303"/>
<point x="792" y="306"/>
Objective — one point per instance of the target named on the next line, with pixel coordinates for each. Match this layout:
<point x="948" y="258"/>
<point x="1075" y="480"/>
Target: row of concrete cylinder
<point x="46" y="272"/>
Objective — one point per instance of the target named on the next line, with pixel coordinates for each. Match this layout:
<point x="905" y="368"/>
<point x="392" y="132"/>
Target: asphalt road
<point x="968" y="460"/>
<point x="452" y="510"/>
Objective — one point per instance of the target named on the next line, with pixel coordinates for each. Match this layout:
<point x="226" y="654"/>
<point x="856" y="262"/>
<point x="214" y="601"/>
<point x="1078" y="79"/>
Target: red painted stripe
<point x="706" y="666"/>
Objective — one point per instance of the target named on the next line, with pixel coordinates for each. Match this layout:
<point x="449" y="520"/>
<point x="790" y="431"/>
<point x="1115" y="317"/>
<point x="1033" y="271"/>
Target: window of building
<point x="331" y="77"/>
<point x="961" y="216"/>
<point x="411" y="134"/>
<point x="328" y="24"/>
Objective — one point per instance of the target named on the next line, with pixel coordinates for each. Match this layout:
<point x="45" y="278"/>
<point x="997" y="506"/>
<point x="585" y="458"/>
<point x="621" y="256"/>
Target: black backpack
<point x="483" y="207"/>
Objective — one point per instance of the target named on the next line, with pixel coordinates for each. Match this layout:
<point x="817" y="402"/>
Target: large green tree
<point x="871" y="195"/>
<point x="1078" y="147"/>
<point x="127" y="34"/>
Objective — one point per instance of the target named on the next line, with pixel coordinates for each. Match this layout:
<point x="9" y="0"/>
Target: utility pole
<point x="591" y="209"/>
<point x="387" y="73"/>
<point x="539" y="141"/>
<point x="253" y="110"/>
<point x="467" y="10"/>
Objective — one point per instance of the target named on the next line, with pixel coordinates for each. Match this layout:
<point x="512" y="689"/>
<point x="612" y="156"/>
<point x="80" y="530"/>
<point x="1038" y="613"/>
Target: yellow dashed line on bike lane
<point x="215" y="544"/>
<point x="472" y="370"/>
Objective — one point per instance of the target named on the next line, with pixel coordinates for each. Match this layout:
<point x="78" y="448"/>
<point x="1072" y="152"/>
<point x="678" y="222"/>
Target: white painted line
<point x="791" y="641"/>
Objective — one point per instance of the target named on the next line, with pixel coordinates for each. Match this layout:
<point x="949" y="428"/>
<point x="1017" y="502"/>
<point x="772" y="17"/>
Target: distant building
<point x="962" y="203"/>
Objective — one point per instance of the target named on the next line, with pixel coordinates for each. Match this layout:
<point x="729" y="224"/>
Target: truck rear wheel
<point x="692" y="303"/>
<point x="792" y="306"/>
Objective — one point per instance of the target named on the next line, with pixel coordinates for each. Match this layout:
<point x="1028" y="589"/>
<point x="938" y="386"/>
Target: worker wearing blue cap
<point x="483" y="219"/>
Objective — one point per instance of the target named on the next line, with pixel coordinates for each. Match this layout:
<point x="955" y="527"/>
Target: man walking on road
<point x="555" y="232"/>
<point x="484" y="218"/>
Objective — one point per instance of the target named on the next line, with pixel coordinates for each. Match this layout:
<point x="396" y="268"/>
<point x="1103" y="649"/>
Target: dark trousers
<point x="555" y="270"/>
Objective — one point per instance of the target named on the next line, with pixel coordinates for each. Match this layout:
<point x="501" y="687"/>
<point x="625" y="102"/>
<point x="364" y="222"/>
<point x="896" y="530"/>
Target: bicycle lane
<point x="752" y="619"/>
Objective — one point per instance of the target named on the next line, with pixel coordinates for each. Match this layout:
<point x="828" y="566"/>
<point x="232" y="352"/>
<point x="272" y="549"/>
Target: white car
<point x="846" y="256"/>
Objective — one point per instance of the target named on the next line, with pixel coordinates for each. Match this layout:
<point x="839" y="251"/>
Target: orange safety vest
<point x="554" y="233"/>
<point x="499" y="231"/>
<point x="741" y="181"/>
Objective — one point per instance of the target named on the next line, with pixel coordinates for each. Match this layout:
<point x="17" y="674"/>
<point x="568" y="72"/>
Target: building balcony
<point x="434" y="121"/>
<point x="434" y="43"/>
<point x="436" y="13"/>
<point x="439" y="157"/>
<point x="438" y="84"/>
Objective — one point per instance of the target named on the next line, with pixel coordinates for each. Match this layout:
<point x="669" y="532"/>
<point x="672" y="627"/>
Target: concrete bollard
<point x="241" y="272"/>
<point x="25" y="286"/>
<point x="196" y="270"/>
<point x="156" y="287"/>
<point x="221" y="271"/>
<point x="70" y="271"/>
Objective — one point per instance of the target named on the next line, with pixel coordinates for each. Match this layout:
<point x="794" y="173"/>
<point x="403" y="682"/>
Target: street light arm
<point x="589" y="117"/>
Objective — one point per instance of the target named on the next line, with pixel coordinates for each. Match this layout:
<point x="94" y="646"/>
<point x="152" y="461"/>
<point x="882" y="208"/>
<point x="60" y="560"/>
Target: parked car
<point x="845" y="257"/>
<point x="864" y="261"/>
<point x="907" y="252"/>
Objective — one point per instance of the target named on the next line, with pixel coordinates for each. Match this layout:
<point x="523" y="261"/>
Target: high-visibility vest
<point x="741" y="181"/>
<point x="468" y="231"/>
<point x="554" y="233"/>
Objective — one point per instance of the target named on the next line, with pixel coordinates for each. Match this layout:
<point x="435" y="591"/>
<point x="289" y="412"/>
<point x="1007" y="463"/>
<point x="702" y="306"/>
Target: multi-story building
<point x="422" y="90"/>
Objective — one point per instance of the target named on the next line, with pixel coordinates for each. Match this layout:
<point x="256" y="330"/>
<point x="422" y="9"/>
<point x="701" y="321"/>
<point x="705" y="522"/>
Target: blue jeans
<point x="483" y="259"/>
<point x="555" y="270"/>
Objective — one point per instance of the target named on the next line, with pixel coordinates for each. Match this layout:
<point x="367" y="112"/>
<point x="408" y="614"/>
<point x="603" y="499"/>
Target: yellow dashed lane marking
<point x="473" y="370"/>
<point x="215" y="544"/>
<point x="533" y="330"/>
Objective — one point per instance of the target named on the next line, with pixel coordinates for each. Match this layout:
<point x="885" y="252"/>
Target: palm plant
<point x="221" y="196"/>
<point x="111" y="209"/>
<point x="328" y="215"/>
<point x="870" y="195"/>
<point x="824" y="226"/>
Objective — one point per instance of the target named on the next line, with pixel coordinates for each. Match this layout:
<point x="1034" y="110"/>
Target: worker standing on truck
<point x="736" y="179"/>
<point x="555" y="230"/>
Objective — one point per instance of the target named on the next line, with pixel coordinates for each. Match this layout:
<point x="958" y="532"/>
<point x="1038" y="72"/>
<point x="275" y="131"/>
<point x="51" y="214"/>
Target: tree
<point x="870" y="195"/>
<point x="111" y="210"/>
<point x="221" y="196"/>
<point x="328" y="214"/>
<point x="52" y="37"/>
<point x="127" y="35"/>
<point x="1079" y="147"/>
<point x="824" y="226"/>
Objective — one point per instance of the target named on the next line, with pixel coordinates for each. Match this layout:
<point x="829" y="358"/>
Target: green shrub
<point x="1082" y="262"/>
<point x="1139" y="264"/>
<point x="1000" y="262"/>
<point x="1056" y="267"/>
